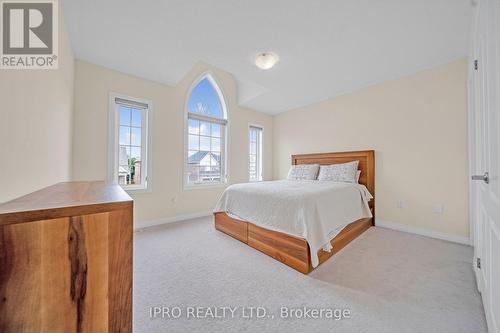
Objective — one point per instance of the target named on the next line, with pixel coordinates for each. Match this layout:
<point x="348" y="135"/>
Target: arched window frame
<point x="224" y="131"/>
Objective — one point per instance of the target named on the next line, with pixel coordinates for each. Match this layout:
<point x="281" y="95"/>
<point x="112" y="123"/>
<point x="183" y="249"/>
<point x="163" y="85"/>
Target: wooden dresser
<point x="66" y="260"/>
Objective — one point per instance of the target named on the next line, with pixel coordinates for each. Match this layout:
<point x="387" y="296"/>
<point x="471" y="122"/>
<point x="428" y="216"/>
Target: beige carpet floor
<point x="389" y="281"/>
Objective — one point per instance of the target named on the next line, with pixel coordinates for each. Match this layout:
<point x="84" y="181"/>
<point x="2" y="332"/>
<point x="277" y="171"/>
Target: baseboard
<point x="423" y="232"/>
<point x="150" y="223"/>
<point x="378" y="223"/>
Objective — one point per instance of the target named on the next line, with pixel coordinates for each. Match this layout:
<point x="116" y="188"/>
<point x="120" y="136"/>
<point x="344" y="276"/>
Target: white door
<point x="484" y="118"/>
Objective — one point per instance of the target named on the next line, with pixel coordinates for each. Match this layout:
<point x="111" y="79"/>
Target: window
<point x="129" y="139"/>
<point x="255" y="153"/>
<point x="206" y="134"/>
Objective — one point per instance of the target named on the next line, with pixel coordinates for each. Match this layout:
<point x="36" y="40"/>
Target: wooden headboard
<point x="366" y="160"/>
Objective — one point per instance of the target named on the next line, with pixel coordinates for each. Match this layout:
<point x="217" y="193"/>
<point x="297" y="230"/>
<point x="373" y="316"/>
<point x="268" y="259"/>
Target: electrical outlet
<point x="438" y="209"/>
<point x="400" y="204"/>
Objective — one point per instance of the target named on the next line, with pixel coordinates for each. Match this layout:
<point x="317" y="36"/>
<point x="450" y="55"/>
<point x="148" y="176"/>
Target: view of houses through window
<point x="129" y="167"/>
<point x="206" y="135"/>
<point x="130" y="162"/>
<point x="204" y="156"/>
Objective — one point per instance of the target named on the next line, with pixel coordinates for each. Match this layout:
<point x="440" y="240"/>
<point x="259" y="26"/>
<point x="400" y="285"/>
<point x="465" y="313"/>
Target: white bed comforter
<point x="314" y="210"/>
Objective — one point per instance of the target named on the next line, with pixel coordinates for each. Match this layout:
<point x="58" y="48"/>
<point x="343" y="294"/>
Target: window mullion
<point x="200" y="117"/>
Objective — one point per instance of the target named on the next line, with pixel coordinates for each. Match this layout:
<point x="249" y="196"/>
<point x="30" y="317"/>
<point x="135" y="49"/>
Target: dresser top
<point x="63" y="200"/>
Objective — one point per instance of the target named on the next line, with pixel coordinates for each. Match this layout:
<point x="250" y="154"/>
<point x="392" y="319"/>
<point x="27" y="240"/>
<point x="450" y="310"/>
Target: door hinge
<point x="478" y="263"/>
<point x="476" y="65"/>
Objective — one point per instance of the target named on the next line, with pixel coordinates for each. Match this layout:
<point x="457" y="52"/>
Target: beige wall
<point x="418" y="127"/>
<point x="416" y="124"/>
<point x="167" y="198"/>
<point x="36" y="123"/>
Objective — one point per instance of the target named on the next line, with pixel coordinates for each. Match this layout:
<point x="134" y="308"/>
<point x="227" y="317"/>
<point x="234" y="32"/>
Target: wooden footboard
<point x="232" y="227"/>
<point x="347" y="235"/>
<point x="290" y="250"/>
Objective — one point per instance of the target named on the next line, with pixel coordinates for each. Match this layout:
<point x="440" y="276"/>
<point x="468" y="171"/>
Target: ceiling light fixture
<point x="266" y="60"/>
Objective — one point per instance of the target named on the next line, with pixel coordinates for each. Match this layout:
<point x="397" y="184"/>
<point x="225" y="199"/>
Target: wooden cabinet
<point x="66" y="260"/>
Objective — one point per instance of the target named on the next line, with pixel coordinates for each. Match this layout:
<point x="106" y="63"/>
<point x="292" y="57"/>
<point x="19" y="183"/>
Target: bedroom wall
<point x="168" y="198"/>
<point x="36" y="124"/>
<point x="418" y="127"/>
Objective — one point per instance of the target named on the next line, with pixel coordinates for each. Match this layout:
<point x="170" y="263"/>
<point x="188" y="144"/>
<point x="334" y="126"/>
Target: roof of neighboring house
<point x="122" y="170"/>
<point x="198" y="156"/>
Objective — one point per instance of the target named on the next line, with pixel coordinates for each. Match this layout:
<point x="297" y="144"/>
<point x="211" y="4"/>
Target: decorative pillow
<point x="345" y="172"/>
<point x="303" y="172"/>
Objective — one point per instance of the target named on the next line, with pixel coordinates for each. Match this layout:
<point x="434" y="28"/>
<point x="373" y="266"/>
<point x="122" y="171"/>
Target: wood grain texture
<point x="120" y="270"/>
<point x="64" y="200"/>
<point x="78" y="264"/>
<point x="291" y="251"/>
<point x="96" y="302"/>
<point x="235" y="228"/>
<point x="72" y="274"/>
<point x="20" y="273"/>
<point x="55" y="278"/>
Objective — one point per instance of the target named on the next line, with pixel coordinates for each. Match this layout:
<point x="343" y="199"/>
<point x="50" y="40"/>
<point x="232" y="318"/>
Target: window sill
<point x="204" y="186"/>
<point x="134" y="190"/>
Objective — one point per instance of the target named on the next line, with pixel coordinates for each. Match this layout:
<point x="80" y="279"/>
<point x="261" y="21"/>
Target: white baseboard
<point x="378" y="222"/>
<point x="149" y="223"/>
<point x="423" y="232"/>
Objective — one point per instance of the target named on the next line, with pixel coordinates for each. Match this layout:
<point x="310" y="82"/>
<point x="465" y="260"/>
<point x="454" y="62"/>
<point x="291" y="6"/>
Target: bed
<point x="300" y="249"/>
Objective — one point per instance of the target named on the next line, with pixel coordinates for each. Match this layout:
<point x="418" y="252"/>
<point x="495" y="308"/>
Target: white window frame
<point x="259" y="154"/>
<point x="224" y="135"/>
<point x="146" y="142"/>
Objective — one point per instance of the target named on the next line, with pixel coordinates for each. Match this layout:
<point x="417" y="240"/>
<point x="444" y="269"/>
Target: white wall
<point x="36" y="111"/>
<point x="418" y="128"/>
<point x="168" y="197"/>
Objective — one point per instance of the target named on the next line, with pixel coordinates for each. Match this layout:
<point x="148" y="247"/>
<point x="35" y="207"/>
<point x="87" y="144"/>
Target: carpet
<point x="188" y="277"/>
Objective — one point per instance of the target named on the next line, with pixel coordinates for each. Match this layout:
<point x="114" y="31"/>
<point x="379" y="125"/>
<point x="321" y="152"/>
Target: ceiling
<point x="326" y="47"/>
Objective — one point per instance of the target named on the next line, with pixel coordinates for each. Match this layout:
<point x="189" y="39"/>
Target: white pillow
<point x="345" y="172"/>
<point x="358" y="173"/>
<point x="303" y="172"/>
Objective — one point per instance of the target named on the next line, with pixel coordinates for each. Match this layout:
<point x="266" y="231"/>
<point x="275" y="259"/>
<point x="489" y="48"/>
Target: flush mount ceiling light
<point x="266" y="60"/>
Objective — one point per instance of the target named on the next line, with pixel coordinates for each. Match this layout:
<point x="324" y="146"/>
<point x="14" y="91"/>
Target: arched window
<point x="206" y="134"/>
